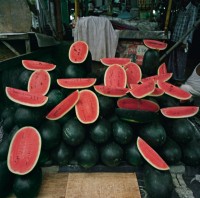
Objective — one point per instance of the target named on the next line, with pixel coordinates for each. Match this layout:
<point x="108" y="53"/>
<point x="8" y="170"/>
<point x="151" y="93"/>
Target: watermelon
<point x="87" y="107"/>
<point x="115" y="76"/>
<point x="174" y="91"/>
<point x="180" y="111"/>
<point x="111" y="91"/>
<point x="138" y="104"/>
<point x="115" y="60"/>
<point x="64" y="106"/>
<point x="39" y="82"/>
<point x="160" y="77"/>
<point x="162" y="69"/>
<point x="76" y="83"/>
<point x="151" y="156"/>
<point x="133" y="73"/>
<point x="37" y="65"/>
<point x="154" y="44"/>
<point x="78" y="52"/>
<point x="24" y="150"/>
<point x="142" y="90"/>
<point x="157" y="92"/>
<point x="25" y="98"/>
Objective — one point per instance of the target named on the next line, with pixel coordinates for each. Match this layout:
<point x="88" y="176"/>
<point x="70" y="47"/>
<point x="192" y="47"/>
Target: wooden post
<point x="76" y="9"/>
<point x="168" y="16"/>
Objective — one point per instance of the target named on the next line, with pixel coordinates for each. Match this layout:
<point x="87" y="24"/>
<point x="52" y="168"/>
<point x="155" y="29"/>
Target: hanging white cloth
<point x="99" y="34"/>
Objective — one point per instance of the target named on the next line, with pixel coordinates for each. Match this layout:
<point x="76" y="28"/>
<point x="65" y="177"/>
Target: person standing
<point x="185" y="19"/>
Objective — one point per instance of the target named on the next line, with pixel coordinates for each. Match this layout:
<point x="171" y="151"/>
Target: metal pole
<point x="168" y="15"/>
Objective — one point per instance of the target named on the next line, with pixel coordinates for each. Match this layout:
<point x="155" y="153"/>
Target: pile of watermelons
<point x="75" y="116"/>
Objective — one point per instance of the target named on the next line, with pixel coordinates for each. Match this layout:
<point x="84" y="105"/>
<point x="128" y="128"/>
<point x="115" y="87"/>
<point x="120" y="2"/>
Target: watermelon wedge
<point x="111" y="91"/>
<point x="154" y="44"/>
<point x="76" y="83"/>
<point x="180" y="111"/>
<point x="64" y="106"/>
<point x="25" y="98"/>
<point x="35" y="65"/>
<point x="157" y="92"/>
<point x="151" y="156"/>
<point x="174" y="91"/>
<point x="160" y="77"/>
<point x="162" y="69"/>
<point x="115" y="60"/>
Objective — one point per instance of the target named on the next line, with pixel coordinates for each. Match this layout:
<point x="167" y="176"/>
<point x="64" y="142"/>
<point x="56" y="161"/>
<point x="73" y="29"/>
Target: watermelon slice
<point x="142" y="90"/>
<point x="162" y="69"/>
<point x="151" y="156"/>
<point x="161" y="77"/>
<point x="138" y="104"/>
<point x="133" y="72"/>
<point x="78" y="52"/>
<point x="76" y="83"/>
<point x="35" y="65"/>
<point x="25" y="98"/>
<point x="157" y="92"/>
<point x="64" y="106"/>
<point x="174" y="91"/>
<point x="115" y="76"/>
<point x="39" y="82"/>
<point x="115" y="60"/>
<point x="111" y="91"/>
<point x="154" y="44"/>
<point x="180" y="111"/>
<point x="87" y="108"/>
<point x="24" y="150"/>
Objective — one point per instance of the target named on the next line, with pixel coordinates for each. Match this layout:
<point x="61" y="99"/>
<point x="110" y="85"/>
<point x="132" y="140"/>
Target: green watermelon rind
<point x="10" y="150"/>
<point x="154" y="44"/>
<point x="47" y="87"/>
<point x="151" y="151"/>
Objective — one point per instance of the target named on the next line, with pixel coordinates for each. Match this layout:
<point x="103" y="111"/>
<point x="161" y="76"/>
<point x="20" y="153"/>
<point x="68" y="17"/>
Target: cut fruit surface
<point x="115" y="60"/>
<point x="154" y="44"/>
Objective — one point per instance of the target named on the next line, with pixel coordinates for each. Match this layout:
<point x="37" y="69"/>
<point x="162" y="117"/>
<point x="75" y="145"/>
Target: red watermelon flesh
<point x="133" y="73"/>
<point x="157" y="92"/>
<point x="24" y="151"/>
<point x="174" y="91"/>
<point x="111" y="91"/>
<point x="161" y="77"/>
<point x="64" y="106"/>
<point x="138" y="104"/>
<point x="25" y="98"/>
<point x="87" y="108"/>
<point x="78" y="52"/>
<point x="115" y="76"/>
<point x="35" y="65"/>
<point x="162" y="69"/>
<point x="115" y="60"/>
<point x="76" y="83"/>
<point x="39" y="82"/>
<point x="154" y="44"/>
<point x="151" y="156"/>
<point x="180" y="111"/>
<point x="142" y="90"/>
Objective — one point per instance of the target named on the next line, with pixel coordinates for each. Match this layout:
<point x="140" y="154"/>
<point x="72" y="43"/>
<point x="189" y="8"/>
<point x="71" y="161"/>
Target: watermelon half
<point x="180" y="111"/>
<point x="36" y="65"/>
<point x="151" y="156"/>
<point x="154" y="44"/>
<point x="87" y="108"/>
<point x="64" y="106"/>
<point x="115" y="60"/>
<point x="39" y="82"/>
<point x="78" y="52"/>
<point x="76" y="83"/>
<point x="24" y="150"/>
<point x="25" y="98"/>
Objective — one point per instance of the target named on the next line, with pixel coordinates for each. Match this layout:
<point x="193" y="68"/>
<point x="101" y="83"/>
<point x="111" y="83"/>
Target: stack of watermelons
<point x="71" y="116"/>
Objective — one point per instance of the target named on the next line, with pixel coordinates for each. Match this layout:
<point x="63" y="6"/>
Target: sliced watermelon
<point x="174" y="91"/>
<point x="157" y="92"/>
<point x="87" y="108"/>
<point x="162" y="69"/>
<point x="76" y="83"/>
<point x="78" y="52"/>
<point x="154" y="44"/>
<point x="115" y="76"/>
<point x="115" y="60"/>
<point x="180" y="111"/>
<point x="39" y="82"/>
<point x="142" y="90"/>
<point x="35" y="65"/>
<point x="138" y="104"/>
<point x="111" y="91"/>
<point x="64" y="106"/>
<point x="161" y="77"/>
<point x="151" y="156"/>
<point x="25" y="98"/>
<point x="24" y="151"/>
<point x="133" y="72"/>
